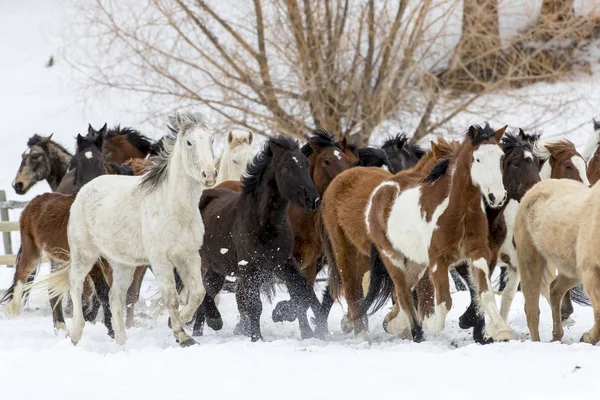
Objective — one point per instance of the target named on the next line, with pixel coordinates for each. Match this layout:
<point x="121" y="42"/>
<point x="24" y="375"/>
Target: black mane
<point x="438" y="171"/>
<point x="261" y="161"/>
<point x="511" y="141"/>
<point x="139" y="141"/>
<point x="321" y="138"/>
<point x="404" y="144"/>
<point x="372" y="157"/>
<point x="483" y="133"/>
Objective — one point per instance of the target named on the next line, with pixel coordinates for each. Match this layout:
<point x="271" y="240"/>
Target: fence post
<point x="5" y="235"/>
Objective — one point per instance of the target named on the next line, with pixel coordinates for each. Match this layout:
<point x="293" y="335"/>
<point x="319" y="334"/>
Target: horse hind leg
<point x="133" y="294"/>
<point x="249" y="303"/>
<point x="27" y="260"/>
<point x="591" y="284"/>
<point x="81" y="265"/>
<point x="531" y="268"/>
<point x="443" y="300"/>
<point x="122" y="277"/>
<point x="558" y="288"/>
<point x="102" y="294"/>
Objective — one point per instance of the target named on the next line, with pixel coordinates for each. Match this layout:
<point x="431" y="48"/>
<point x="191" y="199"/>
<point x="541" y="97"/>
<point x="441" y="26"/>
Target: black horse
<point x="248" y="235"/>
<point x="401" y="152"/>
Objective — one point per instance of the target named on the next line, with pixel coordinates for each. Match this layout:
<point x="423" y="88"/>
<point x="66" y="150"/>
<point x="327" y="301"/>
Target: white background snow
<point x="35" y="363"/>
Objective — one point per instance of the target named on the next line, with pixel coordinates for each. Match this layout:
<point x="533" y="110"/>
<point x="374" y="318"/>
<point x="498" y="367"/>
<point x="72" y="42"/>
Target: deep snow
<point x="35" y="363"/>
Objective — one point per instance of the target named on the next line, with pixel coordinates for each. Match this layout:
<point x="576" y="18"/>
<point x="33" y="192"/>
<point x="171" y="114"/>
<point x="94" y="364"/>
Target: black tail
<point x="380" y="286"/>
<point x="580" y="297"/>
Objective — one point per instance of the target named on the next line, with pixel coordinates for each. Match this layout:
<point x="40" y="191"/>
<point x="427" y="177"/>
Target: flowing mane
<point x="553" y="148"/>
<point x="511" y="141"/>
<point x="256" y="168"/>
<point x="133" y="136"/>
<point x="176" y="123"/>
<point x="38" y="140"/>
<point x="483" y="133"/>
<point x="402" y="142"/>
<point x="320" y="137"/>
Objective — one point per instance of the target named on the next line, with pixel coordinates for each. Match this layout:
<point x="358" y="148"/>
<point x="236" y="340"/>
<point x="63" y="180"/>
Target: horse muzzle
<point x="495" y="200"/>
<point x="209" y="179"/>
<point x="19" y="188"/>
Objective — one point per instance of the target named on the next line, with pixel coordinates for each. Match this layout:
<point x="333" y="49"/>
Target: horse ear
<point x="91" y="130"/>
<point x="521" y="134"/>
<point x="344" y="142"/>
<point x="103" y="130"/>
<point x="250" y="137"/>
<point x="99" y="139"/>
<point x="435" y="150"/>
<point x="230" y="137"/>
<point x="47" y="140"/>
<point x="473" y="132"/>
<point x="498" y="134"/>
<point x="80" y="139"/>
<point x="316" y="148"/>
<point x="277" y="150"/>
<point x="596" y="124"/>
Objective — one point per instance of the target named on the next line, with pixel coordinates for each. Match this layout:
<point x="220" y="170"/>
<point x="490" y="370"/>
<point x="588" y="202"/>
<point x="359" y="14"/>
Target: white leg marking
<point x="436" y="322"/>
<point x="497" y="328"/>
<point x="400" y="326"/>
<point x="14" y="307"/>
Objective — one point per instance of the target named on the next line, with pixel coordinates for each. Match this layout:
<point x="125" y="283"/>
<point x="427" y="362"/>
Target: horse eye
<point x="188" y="143"/>
<point x="326" y="162"/>
<point x="477" y="159"/>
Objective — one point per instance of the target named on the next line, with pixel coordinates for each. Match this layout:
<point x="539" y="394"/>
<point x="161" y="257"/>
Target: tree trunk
<point x="476" y="55"/>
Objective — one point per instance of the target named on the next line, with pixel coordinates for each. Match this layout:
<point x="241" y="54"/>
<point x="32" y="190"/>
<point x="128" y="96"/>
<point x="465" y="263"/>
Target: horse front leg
<point x="498" y="329"/>
<point x="188" y="267"/>
<point x="122" y="277"/>
<point x="208" y="311"/>
<point x="249" y="303"/>
<point x="438" y="269"/>
<point x="133" y="294"/>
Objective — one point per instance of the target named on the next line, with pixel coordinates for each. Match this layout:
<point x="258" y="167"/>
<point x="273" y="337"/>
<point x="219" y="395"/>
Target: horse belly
<point x="408" y="229"/>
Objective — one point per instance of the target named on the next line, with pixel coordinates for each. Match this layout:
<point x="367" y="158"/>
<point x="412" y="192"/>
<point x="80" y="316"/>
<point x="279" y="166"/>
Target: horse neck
<point x="59" y="162"/>
<point x="463" y="193"/>
<point x="266" y="198"/>
<point x="86" y="173"/>
<point x="227" y="170"/>
<point x="181" y="190"/>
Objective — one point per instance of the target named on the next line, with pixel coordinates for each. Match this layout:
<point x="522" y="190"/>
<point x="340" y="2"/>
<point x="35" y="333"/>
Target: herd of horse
<point x="393" y="222"/>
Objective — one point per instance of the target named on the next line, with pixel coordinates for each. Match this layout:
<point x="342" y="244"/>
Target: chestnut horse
<point x="346" y="238"/>
<point x="592" y="155"/>
<point x="43" y="227"/>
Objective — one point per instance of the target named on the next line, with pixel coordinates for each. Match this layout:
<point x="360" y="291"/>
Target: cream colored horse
<point x="557" y="227"/>
<point x="236" y="156"/>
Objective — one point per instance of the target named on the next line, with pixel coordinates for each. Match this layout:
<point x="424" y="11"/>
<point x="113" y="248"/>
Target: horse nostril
<point x="18" y="187"/>
<point x="492" y="197"/>
<point x="204" y="174"/>
<point x="216" y="173"/>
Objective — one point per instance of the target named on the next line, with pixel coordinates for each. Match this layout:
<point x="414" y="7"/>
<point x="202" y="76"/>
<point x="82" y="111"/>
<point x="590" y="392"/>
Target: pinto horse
<point x="43" y="227"/>
<point x="248" y="234"/>
<point x="521" y="172"/>
<point x="556" y="228"/>
<point x="437" y="222"/>
<point x="346" y="238"/>
<point x="592" y="155"/>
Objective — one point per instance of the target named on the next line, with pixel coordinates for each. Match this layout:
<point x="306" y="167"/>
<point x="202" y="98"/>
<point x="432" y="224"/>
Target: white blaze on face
<point x="88" y="155"/>
<point x="295" y="159"/>
<point x="580" y="165"/>
<point x="336" y="153"/>
<point x="528" y="155"/>
<point x="27" y="151"/>
<point x="487" y="174"/>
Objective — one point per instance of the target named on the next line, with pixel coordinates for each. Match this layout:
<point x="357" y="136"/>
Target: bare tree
<point x="292" y="65"/>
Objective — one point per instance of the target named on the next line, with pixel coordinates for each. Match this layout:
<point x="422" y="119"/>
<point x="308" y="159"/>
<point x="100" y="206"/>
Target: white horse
<point x="149" y="220"/>
<point x="236" y="156"/>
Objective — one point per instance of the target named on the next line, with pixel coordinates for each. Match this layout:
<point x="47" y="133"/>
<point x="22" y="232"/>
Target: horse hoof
<point x="568" y="322"/>
<point x="502" y="336"/>
<point x="12" y="310"/>
<point x="346" y="325"/>
<point x="215" y="324"/>
<point x="417" y="334"/>
<point x="111" y="334"/>
<point x="306" y="334"/>
<point x="256" y="338"/>
<point x="187" y="343"/>
<point x="466" y="322"/>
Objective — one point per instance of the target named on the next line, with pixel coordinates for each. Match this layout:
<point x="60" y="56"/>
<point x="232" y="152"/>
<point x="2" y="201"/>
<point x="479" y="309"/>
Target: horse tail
<point x="335" y="280"/>
<point x="580" y="297"/>
<point x="380" y="286"/>
<point x="57" y="284"/>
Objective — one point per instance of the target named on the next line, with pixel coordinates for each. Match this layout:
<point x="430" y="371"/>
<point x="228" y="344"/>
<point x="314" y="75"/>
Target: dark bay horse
<point x="44" y="159"/>
<point x="401" y="152"/>
<point x="346" y="238"/>
<point x="43" y="227"/>
<point x="248" y="234"/>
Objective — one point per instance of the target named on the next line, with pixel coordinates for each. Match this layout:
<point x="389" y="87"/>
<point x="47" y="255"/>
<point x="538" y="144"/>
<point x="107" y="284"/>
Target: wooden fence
<point x="7" y="226"/>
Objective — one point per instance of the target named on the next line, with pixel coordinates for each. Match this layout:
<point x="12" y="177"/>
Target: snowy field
<point x="35" y="363"/>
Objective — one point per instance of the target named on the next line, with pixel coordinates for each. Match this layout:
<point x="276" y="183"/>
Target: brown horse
<point x="43" y="159"/>
<point x="43" y="227"/>
<point x="592" y="155"/>
<point x="347" y="237"/>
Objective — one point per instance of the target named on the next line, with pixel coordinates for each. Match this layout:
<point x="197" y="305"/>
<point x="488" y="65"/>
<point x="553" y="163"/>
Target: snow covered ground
<point x="35" y="363"/>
